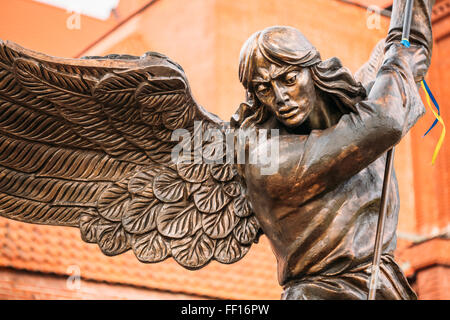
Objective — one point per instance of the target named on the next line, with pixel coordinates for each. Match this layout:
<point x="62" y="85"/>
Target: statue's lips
<point x="288" y="112"/>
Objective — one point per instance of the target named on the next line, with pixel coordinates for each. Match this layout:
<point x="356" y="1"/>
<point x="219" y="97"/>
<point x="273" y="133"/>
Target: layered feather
<point x="87" y="143"/>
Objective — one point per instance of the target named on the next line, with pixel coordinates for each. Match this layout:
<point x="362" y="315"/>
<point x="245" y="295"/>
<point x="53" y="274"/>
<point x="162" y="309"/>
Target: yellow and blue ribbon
<point x="430" y="98"/>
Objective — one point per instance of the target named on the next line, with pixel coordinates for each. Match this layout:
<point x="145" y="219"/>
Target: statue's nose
<point x="280" y="94"/>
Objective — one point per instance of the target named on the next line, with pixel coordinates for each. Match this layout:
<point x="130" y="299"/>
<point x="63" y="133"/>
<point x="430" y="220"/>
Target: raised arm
<point x="421" y="32"/>
<point x="421" y="35"/>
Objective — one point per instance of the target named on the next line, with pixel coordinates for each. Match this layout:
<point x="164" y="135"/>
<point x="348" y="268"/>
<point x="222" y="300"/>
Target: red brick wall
<point x="22" y="285"/>
<point x="433" y="283"/>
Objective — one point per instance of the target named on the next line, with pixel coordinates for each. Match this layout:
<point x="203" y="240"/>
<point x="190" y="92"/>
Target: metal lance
<point x="386" y="182"/>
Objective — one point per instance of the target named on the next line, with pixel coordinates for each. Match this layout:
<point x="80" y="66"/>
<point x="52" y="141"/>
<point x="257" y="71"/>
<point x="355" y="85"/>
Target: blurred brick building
<point x="205" y="36"/>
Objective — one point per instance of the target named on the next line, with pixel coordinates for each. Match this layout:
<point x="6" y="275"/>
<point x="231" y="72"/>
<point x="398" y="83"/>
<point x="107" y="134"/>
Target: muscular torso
<point x="331" y="233"/>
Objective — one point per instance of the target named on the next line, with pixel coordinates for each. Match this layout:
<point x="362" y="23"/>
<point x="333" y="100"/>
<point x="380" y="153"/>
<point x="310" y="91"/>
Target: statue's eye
<point x="262" y="88"/>
<point x="291" y="77"/>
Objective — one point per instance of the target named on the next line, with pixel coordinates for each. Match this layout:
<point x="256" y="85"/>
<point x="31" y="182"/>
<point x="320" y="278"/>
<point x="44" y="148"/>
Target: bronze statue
<point x="88" y="143"/>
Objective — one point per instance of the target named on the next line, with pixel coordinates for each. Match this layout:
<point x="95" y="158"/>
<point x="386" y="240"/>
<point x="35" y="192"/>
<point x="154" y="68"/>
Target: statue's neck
<point x="323" y="115"/>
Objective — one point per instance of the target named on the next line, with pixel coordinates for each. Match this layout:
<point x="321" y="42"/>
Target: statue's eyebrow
<point x="260" y="80"/>
<point x="283" y="71"/>
<point x="275" y="74"/>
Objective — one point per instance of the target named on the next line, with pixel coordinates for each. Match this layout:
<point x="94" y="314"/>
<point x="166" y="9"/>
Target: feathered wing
<point x="368" y="71"/>
<point x="87" y="143"/>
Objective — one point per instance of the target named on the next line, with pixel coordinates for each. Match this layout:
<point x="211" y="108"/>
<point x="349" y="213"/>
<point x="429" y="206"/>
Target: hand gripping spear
<point x="387" y="180"/>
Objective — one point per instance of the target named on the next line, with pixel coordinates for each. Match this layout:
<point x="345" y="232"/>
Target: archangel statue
<point x="88" y="143"/>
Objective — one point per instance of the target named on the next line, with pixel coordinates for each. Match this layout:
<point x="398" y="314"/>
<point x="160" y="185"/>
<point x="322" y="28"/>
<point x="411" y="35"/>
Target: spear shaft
<point x="386" y="183"/>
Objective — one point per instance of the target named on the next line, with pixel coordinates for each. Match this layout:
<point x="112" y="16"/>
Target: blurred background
<point x="205" y="36"/>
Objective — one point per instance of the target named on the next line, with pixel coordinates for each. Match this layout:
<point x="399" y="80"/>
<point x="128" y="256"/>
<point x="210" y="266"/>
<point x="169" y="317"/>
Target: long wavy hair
<point x="286" y="45"/>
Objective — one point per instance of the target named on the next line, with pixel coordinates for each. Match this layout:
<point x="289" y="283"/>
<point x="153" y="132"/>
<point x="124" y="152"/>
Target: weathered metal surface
<point x="88" y="143"/>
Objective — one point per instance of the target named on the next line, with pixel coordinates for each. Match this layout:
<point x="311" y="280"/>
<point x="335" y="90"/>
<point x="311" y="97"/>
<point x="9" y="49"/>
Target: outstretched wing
<point x="87" y="143"/>
<point x="368" y="71"/>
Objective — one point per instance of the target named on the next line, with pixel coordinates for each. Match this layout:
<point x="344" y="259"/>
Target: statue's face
<point x="288" y="91"/>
